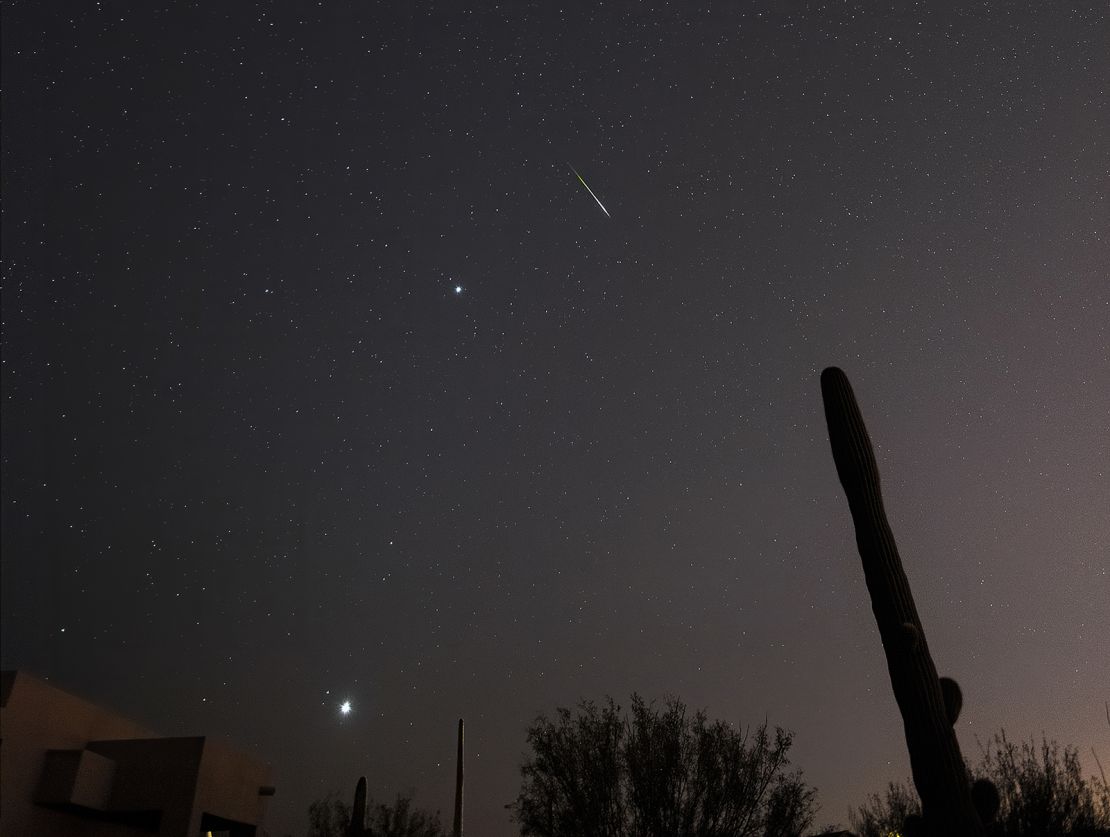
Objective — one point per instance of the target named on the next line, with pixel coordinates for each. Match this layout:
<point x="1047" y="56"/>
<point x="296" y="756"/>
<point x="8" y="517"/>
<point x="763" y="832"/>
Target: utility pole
<point x="457" y="830"/>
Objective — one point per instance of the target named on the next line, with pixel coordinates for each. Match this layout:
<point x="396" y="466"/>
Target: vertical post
<point x="457" y="830"/>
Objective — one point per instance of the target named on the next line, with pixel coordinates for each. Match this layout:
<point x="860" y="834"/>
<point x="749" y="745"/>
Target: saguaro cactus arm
<point x="928" y="710"/>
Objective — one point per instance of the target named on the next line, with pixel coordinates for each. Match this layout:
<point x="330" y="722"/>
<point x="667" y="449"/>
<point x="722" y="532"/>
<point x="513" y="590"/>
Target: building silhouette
<point x="69" y="768"/>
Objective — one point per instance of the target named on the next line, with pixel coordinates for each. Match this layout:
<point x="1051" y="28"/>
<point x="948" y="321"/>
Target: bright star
<point x="345" y="708"/>
<point x="458" y="289"/>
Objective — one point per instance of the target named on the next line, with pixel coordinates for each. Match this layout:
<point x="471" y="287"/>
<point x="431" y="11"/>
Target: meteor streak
<point x="591" y="191"/>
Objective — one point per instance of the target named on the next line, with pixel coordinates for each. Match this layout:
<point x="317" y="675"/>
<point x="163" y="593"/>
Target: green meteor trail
<point x="591" y="191"/>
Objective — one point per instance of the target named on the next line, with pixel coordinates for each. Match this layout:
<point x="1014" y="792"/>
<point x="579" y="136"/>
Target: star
<point x="345" y="708"/>
<point x="458" y="290"/>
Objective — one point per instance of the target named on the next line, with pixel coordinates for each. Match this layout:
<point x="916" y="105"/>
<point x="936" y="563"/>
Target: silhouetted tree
<point x="330" y="817"/>
<point x="1041" y="790"/>
<point x="657" y="773"/>
<point x="402" y="820"/>
<point x="883" y="816"/>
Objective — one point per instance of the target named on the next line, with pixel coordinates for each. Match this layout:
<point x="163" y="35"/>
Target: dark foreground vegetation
<point x="331" y="817"/>
<point x="661" y="771"/>
<point x="654" y="770"/>
<point x="1042" y="793"/>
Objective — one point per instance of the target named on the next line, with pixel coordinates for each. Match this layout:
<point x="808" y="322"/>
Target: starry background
<point x="259" y="456"/>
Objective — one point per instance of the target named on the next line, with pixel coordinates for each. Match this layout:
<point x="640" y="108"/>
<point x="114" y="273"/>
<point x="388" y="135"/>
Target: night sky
<point x="326" y="379"/>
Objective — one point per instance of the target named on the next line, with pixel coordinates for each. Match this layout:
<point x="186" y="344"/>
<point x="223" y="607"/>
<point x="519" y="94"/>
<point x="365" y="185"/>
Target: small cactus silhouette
<point x="357" y="826"/>
<point x="929" y="705"/>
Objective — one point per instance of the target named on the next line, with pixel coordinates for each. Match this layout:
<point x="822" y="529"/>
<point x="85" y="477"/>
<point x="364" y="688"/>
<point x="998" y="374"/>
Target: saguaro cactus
<point x="457" y="829"/>
<point x="929" y="705"/>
